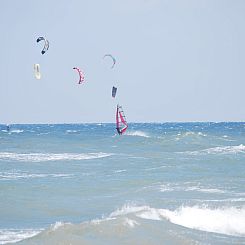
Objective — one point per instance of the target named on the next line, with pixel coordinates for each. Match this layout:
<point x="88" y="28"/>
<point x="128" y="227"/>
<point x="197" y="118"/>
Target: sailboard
<point x="37" y="71"/>
<point x="121" y="123"/>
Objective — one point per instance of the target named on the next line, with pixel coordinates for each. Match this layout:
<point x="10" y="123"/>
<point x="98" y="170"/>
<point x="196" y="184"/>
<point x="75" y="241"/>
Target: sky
<point x="177" y="60"/>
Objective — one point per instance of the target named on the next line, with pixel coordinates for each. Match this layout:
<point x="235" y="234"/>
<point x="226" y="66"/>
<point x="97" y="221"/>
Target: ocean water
<point x="170" y="183"/>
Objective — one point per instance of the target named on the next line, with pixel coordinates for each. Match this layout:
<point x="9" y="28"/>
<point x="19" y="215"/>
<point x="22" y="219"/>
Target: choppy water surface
<point x="171" y="183"/>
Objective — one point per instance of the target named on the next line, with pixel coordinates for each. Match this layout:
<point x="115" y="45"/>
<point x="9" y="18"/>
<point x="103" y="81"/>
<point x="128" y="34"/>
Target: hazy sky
<point x="176" y="60"/>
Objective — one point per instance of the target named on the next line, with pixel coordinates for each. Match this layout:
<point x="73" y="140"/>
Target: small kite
<point x="81" y="75"/>
<point x="37" y="72"/>
<point x="46" y="44"/>
<point x="114" y="92"/>
<point x="113" y="59"/>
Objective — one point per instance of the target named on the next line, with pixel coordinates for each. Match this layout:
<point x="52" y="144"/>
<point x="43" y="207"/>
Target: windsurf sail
<point x="121" y="123"/>
<point x="113" y="92"/>
<point x="37" y="71"/>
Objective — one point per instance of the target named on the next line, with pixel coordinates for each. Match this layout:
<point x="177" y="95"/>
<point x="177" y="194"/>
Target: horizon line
<point x="135" y="122"/>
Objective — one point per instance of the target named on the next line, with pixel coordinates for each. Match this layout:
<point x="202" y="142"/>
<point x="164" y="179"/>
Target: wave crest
<point x="226" y="220"/>
<point x="137" y="133"/>
<point x="220" y="150"/>
<point x="43" y="157"/>
<point x="14" y="235"/>
<point x="229" y="221"/>
<point x="26" y="175"/>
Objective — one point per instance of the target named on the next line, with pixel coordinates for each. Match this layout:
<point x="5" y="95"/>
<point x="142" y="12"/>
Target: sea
<point x="159" y="183"/>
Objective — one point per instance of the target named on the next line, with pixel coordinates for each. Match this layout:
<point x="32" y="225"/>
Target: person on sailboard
<point x="121" y="123"/>
<point x="118" y="130"/>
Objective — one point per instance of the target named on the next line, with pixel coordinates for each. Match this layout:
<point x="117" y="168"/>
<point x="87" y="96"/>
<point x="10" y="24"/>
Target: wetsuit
<point x="118" y="130"/>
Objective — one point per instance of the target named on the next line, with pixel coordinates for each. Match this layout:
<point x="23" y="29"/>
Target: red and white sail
<point x="121" y="123"/>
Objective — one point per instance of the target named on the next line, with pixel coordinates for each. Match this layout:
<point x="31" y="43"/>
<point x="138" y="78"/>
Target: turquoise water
<point x="171" y="183"/>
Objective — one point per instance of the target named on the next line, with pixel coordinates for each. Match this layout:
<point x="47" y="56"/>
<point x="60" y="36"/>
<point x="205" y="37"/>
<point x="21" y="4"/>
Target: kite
<point x="81" y="75"/>
<point x="113" y="92"/>
<point x="113" y="59"/>
<point x="46" y="44"/>
<point x="37" y="72"/>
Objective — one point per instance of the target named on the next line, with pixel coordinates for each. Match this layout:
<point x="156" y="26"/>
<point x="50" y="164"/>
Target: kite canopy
<point x="46" y="44"/>
<point x="113" y="92"/>
<point x="81" y="75"/>
<point x="121" y="123"/>
<point x="37" y="72"/>
<point x="112" y="58"/>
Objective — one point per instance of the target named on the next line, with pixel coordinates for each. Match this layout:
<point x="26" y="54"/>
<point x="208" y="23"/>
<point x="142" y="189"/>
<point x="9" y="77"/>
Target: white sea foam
<point x="167" y="188"/>
<point x="174" y="187"/>
<point x="99" y="221"/>
<point x="126" y="221"/>
<point x="139" y="211"/>
<point x="130" y="222"/>
<point x="14" y="235"/>
<point x="206" y="190"/>
<point x="150" y="213"/>
<point x="154" y="168"/>
<point x="236" y="200"/>
<point x="137" y="133"/>
<point x="22" y="175"/>
<point x="127" y="209"/>
<point x="229" y="221"/>
<point x="120" y="170"/>
<point x="42" y="157"/>
<point x="223" y="220"/>
<point x="220" y="150"/>
<point x="190" y="133"/>
<point x="17" y="131"/>
<point x="57" y="225"/>
<point x="71" y="131"/>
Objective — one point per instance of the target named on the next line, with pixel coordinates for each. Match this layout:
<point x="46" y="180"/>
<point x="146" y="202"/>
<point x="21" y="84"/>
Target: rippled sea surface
<point x="170" y="183"/>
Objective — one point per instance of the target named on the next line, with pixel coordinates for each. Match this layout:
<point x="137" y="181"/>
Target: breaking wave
<point x="57" y="225"/>
<point x="71" y="131"/>
<point x="190" y="134"/>
<point x="169" y="188"/>
<point x="43" y="157"/>
<point x="120" y="170"/>
<point x="186" y="134"/>
<point x="137" y="133"/>
<point x="23" y="175"/>
<point x="17" y="131"/>
<point x="14" y="235"/>
<point x="220" y="150"/>
<point x="226" y="220"/>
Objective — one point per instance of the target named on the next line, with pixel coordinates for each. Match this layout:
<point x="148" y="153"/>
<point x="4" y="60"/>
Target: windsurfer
<point x="121" y="123"/>
<point x="118" y="130"/>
